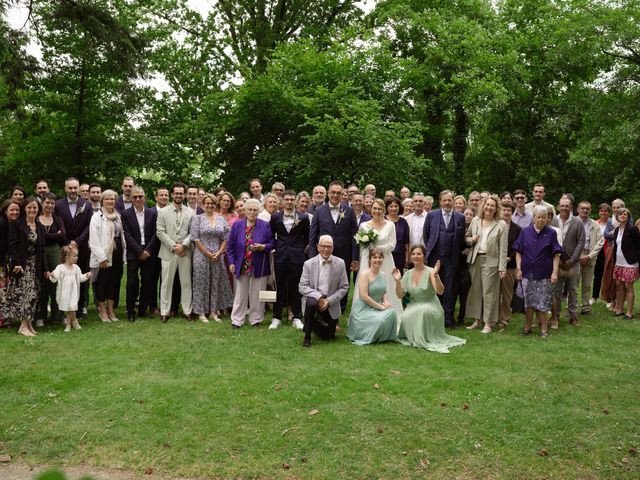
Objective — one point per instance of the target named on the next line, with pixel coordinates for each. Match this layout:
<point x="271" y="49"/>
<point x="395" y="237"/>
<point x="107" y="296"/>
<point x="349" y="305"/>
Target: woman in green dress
<point x="372" y="318"/>
<point x="422" y="323"/>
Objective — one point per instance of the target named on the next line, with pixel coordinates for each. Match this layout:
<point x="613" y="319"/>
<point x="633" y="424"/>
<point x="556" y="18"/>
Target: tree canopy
<point x="463" y="94"/>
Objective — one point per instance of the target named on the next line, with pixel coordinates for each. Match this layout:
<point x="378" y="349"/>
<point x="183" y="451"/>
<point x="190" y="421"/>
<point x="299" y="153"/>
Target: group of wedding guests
<point x="410" y="263"/>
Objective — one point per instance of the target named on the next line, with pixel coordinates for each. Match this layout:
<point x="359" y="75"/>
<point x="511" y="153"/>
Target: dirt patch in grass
<point x="20" y="471"/>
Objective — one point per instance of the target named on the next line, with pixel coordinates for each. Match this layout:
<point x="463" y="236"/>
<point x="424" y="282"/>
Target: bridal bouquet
<point x="366" y="236"/>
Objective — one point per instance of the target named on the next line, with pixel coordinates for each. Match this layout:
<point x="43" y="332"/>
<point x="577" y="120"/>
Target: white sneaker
<point x="76" y="325"/>
<point x="67" y="327"/>
<point x="275" y="323"/>
<point x="40" y="323"/>
<point x="297" y="324"/>
<point x="203" y="318"/>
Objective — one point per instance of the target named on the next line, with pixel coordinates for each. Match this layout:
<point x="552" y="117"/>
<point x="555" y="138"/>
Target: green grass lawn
<point x="195" y="400"/>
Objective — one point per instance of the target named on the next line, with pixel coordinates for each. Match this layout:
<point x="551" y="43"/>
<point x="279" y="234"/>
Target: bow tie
<point x="289" y="216"/>
<point x="335" y="209"/>
<point x="325" y="262"/>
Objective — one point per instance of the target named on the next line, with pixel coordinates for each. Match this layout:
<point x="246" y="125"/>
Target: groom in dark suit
<point x="444" y="240"/>
<point x="291" y="230"/>
<point x="339" y="222"/>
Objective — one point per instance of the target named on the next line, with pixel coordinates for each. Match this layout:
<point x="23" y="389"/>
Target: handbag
<point x="268" y="296"/>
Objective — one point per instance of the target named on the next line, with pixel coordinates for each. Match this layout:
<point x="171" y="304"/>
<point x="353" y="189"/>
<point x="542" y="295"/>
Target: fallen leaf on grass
<point x="543" y="452"/>
<point x="633" y="450"/>
<point x="5" y="458"/>
<point x="314" y="412"/>
<point x="625" y="459"/>
<point x="376" y="386"/>
<point x="605" y="411"/>
<point x="424" y="463"/>
<point x="284" y="432"/>
<point x="303" y="459"/>
<point x="395" y="372"/>
<point x="465" y="406"/>
<point x="148" y="471"/>
<point x="277" y="388"/>
<point x="443" y="404"/>
<point x="166" y="445"/>
<point x="379" y="429"/>
<point x="286" y="466"/>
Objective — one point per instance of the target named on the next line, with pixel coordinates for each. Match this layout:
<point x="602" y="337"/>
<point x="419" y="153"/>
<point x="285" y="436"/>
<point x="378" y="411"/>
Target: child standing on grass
<point x="69" y="277"/>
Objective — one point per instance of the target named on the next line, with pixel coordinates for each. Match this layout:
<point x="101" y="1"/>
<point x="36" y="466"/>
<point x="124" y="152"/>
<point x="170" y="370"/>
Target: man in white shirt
<point x="538" y="199"/>
<point x="416" y="220"/>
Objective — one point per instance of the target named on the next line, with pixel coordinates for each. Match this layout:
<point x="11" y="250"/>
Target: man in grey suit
<point x="322" y="285"/>
<point x="173" y="232"/>
<point x="572" y="233"/>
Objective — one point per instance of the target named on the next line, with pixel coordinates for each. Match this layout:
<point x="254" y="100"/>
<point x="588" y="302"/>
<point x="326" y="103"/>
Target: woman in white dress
<point x="386" y="242"/>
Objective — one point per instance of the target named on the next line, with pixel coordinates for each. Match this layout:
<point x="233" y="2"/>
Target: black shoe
<point x="143" y="314"/>
<point x="235" y="327"/>
<point x="306" y="342"/>
<point x="164" y="318"/>
<point x="255" y="324"/>
<point x="131" y="317"/>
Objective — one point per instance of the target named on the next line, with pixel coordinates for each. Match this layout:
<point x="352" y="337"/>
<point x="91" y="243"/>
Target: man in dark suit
<point x="76" y="215"/>
<point x="139" y="225"/>
<point x="291" y="229"/>
<point x="357" y="202"/>
<point x="444" y="240"/>
<point x="339" y="222"/>
<point x="123" y="202"/>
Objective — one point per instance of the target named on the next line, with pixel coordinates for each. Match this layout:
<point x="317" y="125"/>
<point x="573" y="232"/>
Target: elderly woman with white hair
<point x="248" y="246"/>
<point x="537" y="262"/>
<point x="108" y="253"/>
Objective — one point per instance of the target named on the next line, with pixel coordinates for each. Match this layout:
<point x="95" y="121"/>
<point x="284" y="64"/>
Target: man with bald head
<point x="323" y="284"/>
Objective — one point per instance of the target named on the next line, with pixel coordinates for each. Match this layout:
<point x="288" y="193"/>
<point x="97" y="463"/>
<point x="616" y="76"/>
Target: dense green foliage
<point x="462" y="94"/>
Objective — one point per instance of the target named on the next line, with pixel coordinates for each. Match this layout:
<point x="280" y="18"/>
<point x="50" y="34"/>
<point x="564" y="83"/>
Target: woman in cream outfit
<point x="487" y="236"/>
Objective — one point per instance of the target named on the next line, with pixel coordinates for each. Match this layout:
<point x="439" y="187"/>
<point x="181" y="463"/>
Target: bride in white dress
<point x="386" y="242"/>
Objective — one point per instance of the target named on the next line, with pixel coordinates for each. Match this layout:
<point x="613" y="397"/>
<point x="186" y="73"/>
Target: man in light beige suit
<point x="172" y="230"/>
<point x="592" y="245"/>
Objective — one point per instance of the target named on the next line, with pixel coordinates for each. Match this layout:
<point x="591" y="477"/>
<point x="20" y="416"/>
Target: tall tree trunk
<point x="460" y="133"/>
<point x="78" y="140"/>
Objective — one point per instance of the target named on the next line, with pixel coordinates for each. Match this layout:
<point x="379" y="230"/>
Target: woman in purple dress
<point x="401" y="252"/>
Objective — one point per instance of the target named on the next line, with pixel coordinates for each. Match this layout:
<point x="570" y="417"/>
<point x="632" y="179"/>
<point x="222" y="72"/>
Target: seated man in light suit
<point x="172" y="230"/>
<point x="323" y="284"/>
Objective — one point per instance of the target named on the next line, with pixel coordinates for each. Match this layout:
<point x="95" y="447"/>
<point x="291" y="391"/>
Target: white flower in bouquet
<point x="366" y="236"/>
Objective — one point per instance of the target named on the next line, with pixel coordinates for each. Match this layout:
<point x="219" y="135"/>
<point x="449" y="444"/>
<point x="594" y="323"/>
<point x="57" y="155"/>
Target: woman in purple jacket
<point x="249" y="243"/>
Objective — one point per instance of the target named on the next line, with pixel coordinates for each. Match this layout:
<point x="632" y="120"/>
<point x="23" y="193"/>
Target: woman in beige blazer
<point x="487" y="236"/>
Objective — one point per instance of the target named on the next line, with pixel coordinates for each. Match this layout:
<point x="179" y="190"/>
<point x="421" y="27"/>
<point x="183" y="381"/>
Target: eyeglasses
<point x="137" y="196"/>
<point x="520" y="198"/>
<point x="325" y="246"/>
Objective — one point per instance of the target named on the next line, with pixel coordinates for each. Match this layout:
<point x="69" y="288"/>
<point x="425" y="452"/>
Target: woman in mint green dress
<point x="422" y="323"/>
<point x="372" y="318"/>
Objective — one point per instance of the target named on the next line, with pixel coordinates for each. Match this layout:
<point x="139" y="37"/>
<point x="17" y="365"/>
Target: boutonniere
<point x="340" y="215"/>
<point x="80" y="210"/>
<point x="296" y="219"/>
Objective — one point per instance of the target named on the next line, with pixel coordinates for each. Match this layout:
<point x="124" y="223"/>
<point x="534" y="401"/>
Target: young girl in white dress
<point x="69" y="277"/>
